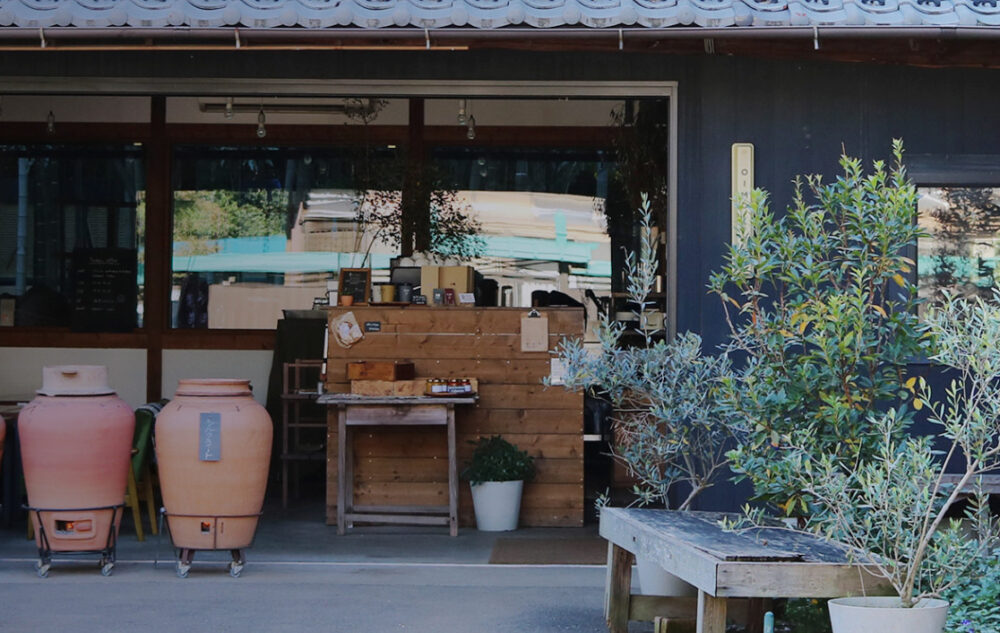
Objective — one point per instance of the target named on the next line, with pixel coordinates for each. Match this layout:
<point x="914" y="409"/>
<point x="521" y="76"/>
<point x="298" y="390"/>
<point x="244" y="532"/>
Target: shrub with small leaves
<point x="496" y="459"/>
<point x="669" y="422"/>
<point x="975" y="599"/>
<point x="818" y="303"/>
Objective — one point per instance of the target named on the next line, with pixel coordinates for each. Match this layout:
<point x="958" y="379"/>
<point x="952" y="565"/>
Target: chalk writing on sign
<point x="210" y="437"/>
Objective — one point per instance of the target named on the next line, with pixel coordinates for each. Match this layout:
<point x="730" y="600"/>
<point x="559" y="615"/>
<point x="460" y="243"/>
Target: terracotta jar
<point x="76" y="443"/>
<point x="213" y="448"/>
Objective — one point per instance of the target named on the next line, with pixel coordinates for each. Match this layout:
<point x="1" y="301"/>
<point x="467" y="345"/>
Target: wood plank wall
<point x="409" y="466"/>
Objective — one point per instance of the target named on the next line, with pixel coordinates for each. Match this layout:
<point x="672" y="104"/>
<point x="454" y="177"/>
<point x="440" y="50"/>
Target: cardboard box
<point x="256" y="306"/>
<point x="389" y="387"/>
<point x="380" y="370"/>
<point x="459" y="278"/>
<point x="429" y="281"/>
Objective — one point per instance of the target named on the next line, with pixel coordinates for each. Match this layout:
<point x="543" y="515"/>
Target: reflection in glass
<point x="542" y="219"/>
<point x="959" y="255"/>
<point x="257" y="231"/>
<point x="57" y="201"/>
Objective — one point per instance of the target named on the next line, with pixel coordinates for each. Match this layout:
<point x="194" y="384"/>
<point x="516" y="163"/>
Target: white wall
<point x="21" y="369"/>
<point x="200" y="363"/>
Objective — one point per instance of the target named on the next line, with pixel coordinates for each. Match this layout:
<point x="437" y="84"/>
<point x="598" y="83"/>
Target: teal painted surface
<point x="263" y="255"/>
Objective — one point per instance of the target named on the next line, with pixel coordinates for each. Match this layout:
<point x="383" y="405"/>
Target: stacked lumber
<point x="403" y="466"/>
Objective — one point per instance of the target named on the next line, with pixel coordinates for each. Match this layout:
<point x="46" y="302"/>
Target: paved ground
<point x="301" y="576"/>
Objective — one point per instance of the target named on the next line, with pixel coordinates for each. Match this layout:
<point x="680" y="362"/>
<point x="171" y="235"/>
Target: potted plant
<point x="827" y="321"/>
<point x="893" y="509"/>
<point x="671" y="427"/>
<point x="496" y="474"/>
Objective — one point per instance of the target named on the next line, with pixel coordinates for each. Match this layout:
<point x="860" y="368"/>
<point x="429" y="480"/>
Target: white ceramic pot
<point x="656" y="581"/>
<point x="885" y="615"/>
<point x="497" y="505"/>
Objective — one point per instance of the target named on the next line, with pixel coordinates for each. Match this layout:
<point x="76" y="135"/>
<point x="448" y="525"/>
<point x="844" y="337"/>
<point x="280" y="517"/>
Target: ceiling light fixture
<point x="261" y="130"/>
<point x="471" y="132"/>
<point x="228" y="112"/>
<point x="50" y="123"/>
<point x="461" y="112"/>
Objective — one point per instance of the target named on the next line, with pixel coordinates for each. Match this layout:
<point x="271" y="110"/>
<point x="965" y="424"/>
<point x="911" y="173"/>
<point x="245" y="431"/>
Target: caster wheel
<point x="183" y="569"/>
<point x="235" y="569"/>
<point x="107" y="569"/>
<point x="43" y="570"/>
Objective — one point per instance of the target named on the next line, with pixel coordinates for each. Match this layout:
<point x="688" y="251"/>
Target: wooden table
<point x="762" y="563"/>
<point x="355" y="411"/>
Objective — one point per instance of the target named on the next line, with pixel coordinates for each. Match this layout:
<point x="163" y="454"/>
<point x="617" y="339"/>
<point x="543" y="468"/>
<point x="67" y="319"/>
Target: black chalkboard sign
<point x="356" y="282"/>
<point x="104" y="289"/>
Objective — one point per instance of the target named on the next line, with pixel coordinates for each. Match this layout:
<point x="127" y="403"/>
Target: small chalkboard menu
<point x="104" y="289"/>
<point x="356" y="282"/>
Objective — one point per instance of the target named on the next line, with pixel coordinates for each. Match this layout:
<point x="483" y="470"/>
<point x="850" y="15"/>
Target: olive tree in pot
<point x="894" y="508"/>
<point x="826" y="318"/>
<point x="671" y="428"/>
<point x="496" y="474"/>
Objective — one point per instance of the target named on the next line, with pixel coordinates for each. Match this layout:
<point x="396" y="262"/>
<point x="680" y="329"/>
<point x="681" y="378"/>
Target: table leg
<point x="618" y="588"/>
<point x="452" y="475"/>
<point x="341" y="467"/>
<point x="349" y="472"/>
<point x="756" y="608"/>
<point x="285" y="415"/>
<point x="711" y="613"/>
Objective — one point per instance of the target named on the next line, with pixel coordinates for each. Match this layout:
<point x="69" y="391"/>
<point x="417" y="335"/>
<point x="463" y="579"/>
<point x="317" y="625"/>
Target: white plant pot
<point x="885" y="615"/>
<point x="497" y="505"/>
<point x="656" y="581"/>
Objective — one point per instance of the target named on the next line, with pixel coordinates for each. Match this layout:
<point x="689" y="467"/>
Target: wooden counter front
<point x="402" y="466"/>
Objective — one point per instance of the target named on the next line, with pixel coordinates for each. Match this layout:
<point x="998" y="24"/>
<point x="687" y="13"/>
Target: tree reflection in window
<point x="960" y="251"/>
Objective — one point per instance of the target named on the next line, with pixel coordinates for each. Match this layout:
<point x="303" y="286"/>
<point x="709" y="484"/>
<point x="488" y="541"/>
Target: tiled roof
<point x="492" y="14"/>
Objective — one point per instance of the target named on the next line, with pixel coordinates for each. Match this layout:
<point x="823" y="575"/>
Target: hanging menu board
<point x="104" y="289"/>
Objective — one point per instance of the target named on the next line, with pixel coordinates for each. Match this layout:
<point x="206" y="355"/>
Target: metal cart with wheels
<point x="62" y="541"/>
<point x="185" y="555"/>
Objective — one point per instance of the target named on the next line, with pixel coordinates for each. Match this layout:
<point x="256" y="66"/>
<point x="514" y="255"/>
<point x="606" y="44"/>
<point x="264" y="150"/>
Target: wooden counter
<point x="403" y="466"/>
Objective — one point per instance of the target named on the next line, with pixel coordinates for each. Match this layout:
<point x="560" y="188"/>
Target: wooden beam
<point x="415" y="203"/>
<point x="156" y="300"/>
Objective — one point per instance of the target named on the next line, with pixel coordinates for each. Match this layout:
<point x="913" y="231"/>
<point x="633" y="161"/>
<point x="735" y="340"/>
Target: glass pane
<point x="259" y="231"/>
<point x="71" y="236"/>
<point x="541" y="213"/>
<point x="960" y="253"/>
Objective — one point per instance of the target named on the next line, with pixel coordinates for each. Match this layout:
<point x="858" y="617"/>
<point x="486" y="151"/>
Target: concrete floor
<point x="300" y="575"/>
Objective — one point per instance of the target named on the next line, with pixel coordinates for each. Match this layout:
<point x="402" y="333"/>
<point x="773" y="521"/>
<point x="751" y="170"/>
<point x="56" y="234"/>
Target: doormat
<point x="549" y="551"/>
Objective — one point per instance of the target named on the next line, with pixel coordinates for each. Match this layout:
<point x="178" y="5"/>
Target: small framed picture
<point x="356" y="283"/>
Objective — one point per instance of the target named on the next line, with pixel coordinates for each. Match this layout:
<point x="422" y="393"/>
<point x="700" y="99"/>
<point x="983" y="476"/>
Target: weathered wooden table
<point x="761" y="563"/>
<point x="355" y="411"/>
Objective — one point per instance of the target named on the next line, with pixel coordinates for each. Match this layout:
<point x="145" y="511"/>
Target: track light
<point x="461" y="111"/>
<point x="261" y="130"/>
<point x="228" y="112"/>
<point x="50" y="123"/>
<point x="471" y="132"/>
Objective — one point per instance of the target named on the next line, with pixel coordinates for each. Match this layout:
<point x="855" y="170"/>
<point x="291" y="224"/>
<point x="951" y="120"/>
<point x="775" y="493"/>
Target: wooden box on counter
<point x="380" y="370"/>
